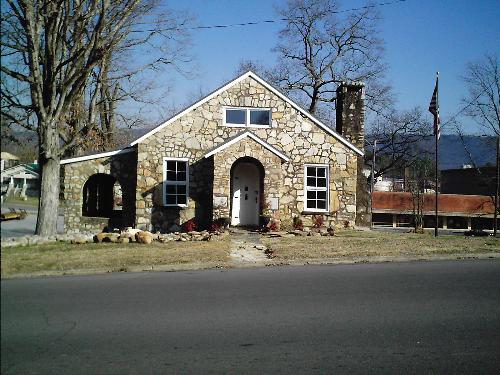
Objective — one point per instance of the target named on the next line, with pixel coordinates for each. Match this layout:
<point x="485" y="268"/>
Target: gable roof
<point x="267" y="86"/>
<point x="238" y="137"/>
<point x="25" y="170"/>
<point x="97" y="156"/>
<point x="8" y="156"/>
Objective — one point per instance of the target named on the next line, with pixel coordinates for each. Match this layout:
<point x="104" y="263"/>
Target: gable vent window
<point x="176" y="182"/>
<point x="316" y="187"/>
<point x="247" y="117"/>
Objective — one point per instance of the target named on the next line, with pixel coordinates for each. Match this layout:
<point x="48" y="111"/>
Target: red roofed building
<point x="455" y="211"/>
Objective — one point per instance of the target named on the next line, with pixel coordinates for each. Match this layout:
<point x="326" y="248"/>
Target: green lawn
<point x="31" y="201"/>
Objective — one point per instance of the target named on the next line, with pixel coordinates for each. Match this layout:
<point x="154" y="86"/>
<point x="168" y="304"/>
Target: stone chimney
<point x="351" y="112"/>
<point x="350" y="123"/>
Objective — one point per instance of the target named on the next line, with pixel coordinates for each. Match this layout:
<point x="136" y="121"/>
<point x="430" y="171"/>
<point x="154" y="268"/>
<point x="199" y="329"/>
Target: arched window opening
<point x="117" y="197"/>
<point x="99" y="196"/>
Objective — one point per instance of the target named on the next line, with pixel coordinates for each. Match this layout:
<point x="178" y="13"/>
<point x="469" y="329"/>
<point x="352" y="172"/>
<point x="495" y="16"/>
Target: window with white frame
<point x="316" y="182"/>
<point x="247" y="117"/>
<point x="176" y="181"/>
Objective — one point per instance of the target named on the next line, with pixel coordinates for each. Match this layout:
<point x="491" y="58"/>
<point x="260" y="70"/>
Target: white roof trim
<point x="195" y="105"/>
<point x="308" y="115"/>
<point x="96" y="156"/>
<point x="255" y="138"/>
<point x="270" y="88"/>
<point x="16" y="169"/>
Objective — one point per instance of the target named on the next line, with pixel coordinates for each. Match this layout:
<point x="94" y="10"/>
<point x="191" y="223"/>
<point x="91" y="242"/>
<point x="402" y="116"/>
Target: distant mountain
<point x="452" y="153"/>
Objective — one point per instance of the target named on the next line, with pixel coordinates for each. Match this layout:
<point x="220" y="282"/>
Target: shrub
<point x="190" y="225"/>
<point x="215" y="227"/>
<point x="223" y="222"/>
<point x="273" y="226"/>
<point x="297" y="223"/>
<point x="318" y="221"/>
<point x="286" y="224"/>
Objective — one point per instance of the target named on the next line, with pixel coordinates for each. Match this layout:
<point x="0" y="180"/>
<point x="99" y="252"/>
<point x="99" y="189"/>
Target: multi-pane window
<point x="316" y="187"/>
<point x="247" y="117"/>
<point x="176" y="178"/>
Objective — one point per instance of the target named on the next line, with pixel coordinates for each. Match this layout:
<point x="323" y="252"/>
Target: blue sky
<point x="421" y="37"/>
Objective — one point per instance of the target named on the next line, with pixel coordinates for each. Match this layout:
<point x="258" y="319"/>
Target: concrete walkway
<point x="246" y="248"/>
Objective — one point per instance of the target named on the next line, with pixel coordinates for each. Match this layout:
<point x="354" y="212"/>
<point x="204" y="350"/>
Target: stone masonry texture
<point x="201" y="129"/>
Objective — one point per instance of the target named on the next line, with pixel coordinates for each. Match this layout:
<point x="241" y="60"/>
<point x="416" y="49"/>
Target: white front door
<point x="246" y="182"/>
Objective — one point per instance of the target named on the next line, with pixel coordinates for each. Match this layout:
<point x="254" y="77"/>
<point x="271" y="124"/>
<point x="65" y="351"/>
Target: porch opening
<point x="101" y="196"/>
<point x="247" y="191"/>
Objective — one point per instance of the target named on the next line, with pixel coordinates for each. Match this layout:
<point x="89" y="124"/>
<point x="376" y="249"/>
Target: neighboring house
<point x="243" y="150"/>
<point x="21" y="179"/>
<point x="8" y="160"/>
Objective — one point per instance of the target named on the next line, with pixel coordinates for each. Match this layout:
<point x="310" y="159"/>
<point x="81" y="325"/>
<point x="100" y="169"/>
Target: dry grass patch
<point x="352" y="244"/>
<point x="66" y="258"/>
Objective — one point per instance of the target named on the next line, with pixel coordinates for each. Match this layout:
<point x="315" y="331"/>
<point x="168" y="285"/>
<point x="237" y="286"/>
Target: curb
<point x="268" y="263"/>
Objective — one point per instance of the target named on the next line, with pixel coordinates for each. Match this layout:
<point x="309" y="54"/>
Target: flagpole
<point x="436" y="130"/>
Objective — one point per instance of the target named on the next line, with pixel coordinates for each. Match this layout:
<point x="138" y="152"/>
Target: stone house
<point x="244" y="150"/>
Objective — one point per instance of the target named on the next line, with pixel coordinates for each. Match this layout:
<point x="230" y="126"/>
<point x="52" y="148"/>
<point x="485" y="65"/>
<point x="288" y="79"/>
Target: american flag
<point x="434" y="109"/>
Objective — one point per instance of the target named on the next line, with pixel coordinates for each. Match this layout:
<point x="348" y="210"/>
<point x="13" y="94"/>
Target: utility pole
<point x="372" y="183"/>
<point x="495" y="217"/>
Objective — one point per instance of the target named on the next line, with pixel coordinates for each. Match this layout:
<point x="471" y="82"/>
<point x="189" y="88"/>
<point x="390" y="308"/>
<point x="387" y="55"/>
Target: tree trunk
<point x="49" y="161"/>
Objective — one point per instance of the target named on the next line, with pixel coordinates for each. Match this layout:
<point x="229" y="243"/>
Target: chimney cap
<point x="352" y="83"/>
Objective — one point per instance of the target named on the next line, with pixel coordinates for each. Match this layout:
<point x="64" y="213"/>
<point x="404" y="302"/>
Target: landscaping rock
<point x="99" y="237"/>
<point x="128" y="235"/>
<point x="106" y="237"/>
<point x="130" y="232"/>
<point x="175" y="228"/>
<point x="144" y="237"/>
<point x="79" y="240"/>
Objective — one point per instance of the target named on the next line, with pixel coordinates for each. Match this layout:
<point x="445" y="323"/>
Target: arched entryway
<point x="247" y="176"/>
<point x="101" y="196"/>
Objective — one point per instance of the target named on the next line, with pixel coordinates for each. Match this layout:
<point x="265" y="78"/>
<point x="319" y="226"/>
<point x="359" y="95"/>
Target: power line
<point x="253" y="23"/>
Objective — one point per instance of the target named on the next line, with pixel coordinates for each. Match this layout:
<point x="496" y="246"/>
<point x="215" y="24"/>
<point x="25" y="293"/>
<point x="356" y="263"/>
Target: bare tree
<point x="50" y="51"/>
<point x="321" y="46"/>
<point x="399" y="136"/>
<point x="482" y="104"/>
<point x="483" y="100"/>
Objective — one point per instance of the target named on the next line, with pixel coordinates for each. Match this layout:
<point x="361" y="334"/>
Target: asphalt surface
<point x="24" y="227"/>
<point x="436" y="317"/>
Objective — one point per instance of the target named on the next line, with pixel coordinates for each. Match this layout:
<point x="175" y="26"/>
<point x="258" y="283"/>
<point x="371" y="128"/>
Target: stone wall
<point x="351" y="124"/>
<point x="74" y="175"/>
<point x="202" y="129"/>
<point x="224" y="160"/>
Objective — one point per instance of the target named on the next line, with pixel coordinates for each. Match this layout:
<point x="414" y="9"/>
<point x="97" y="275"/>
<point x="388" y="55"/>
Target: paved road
<point x="438" y="317"/>
<point x="18" y="228"/>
